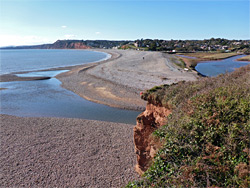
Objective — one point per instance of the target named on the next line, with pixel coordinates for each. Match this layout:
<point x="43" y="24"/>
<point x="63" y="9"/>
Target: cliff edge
<point x="147" y="122"/>
<point x="195" y="134"/>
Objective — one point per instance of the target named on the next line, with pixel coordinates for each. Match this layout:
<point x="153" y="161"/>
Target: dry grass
<point x="211" y="55"/>
<point x="205" y="56"/>
<point x="246" y="58"/>
<point x="191" y="63"/>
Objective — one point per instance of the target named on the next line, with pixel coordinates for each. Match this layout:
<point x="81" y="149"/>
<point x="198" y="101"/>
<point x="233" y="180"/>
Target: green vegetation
<point x="170" y="46"/>
<point x="178" y="61"/>
<point x="213" y="44"/>
<point x="127" y="46"/>
<point x="182" y="63"/>
<point x="246" y="58"/>
<point x="206" y="140"/>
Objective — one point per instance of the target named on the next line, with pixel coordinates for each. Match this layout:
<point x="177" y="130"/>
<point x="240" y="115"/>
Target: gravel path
<point x="53" y="152"/>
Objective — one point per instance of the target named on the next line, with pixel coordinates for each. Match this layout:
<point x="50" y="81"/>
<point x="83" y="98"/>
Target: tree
<point x="152" y="46"/>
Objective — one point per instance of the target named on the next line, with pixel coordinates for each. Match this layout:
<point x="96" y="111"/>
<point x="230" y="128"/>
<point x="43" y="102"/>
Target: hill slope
<point x="73" y="44"/>
<point x="205" y="140"/>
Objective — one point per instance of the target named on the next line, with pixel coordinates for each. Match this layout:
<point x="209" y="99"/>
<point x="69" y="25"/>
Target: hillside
<point x="196" y="134"/>
<point x="73" y="44"/>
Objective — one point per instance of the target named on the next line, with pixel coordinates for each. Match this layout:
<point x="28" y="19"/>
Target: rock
<point x="145" y="147"/>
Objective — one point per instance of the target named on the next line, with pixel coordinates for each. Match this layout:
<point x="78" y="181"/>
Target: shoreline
<point x="77" y="152"/>
<point x="244" y="58"/>
<point x="10" y="77"/>
<point x="45" y="151"/>
<point x="194" y="61"/>
<point x="117" y="81"/>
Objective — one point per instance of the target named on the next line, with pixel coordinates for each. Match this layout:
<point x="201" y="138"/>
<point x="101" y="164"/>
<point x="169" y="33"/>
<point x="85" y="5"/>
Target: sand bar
<point x="118" y="81"/>
<point x="63" y="152"/>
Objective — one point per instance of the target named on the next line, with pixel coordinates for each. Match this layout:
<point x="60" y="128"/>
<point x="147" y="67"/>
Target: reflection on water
<point x="214" y="68"/>
<point x="45" y="98"/>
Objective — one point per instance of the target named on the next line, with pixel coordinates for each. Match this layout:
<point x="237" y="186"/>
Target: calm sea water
<point x="46" y="98"/>
<point x="29" y="60"/>
<point x="214" y="68"/>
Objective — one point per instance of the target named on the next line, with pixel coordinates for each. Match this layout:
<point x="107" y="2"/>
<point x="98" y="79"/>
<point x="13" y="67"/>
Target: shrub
<point x="206" y="140"/>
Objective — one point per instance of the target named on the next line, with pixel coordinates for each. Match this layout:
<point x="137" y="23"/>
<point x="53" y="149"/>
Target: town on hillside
<point x="218" y="44"/>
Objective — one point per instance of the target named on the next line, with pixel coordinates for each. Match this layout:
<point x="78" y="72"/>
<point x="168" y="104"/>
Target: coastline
<point x="47" y="152"/>
<point x="92" y="153"/>
<point x="10" y="77"/>
<point x="194" y="61"/>
<point x="118" y="81"/>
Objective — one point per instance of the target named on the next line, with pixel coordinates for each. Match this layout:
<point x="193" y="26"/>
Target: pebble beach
<point x="65" y="152"/>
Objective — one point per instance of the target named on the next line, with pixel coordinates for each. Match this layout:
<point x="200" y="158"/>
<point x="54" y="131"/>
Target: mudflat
<point x="60" y="152"/>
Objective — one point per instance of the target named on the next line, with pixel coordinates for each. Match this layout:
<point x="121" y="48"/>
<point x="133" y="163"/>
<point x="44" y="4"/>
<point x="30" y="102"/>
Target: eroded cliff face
<point x="64" y="44"/>
<point x="145" y="147"/>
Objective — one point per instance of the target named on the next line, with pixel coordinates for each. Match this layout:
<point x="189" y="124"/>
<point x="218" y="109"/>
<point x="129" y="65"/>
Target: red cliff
<point x="147" y="122"/>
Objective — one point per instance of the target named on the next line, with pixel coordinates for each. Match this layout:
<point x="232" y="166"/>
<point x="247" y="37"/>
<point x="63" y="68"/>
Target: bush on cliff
<point x="206" y="139"/>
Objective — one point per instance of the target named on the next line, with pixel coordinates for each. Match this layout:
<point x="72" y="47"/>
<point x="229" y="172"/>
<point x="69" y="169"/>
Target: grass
<point x="206" y="140"/>
<point x="211" y="55"/>
<point x="179" y="62"/>
<point x="246" y="58"/>
<point x="190" y="63"/>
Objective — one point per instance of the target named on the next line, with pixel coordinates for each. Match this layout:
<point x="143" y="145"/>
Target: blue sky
<point x="24" y="22"/>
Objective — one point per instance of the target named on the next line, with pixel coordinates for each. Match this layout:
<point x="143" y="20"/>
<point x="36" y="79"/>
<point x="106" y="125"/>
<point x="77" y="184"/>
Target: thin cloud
<point x="98" y="33"/>
<point x="17" y="40"/>
<point x="70" y="36"/>
<point x="63" y="26"/>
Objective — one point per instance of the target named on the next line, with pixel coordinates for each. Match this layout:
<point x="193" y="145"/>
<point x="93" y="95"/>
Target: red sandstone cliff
<point x="67" y="44"/>
<point x="152" y="118"/>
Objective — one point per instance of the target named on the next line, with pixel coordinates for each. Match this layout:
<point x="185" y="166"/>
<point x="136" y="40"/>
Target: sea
<point x="37" y="59"/>
<point x="46" y="98"/>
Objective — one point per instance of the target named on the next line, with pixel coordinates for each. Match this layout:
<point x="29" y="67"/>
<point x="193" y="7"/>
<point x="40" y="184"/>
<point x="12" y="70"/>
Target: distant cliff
<point x="73" y="44"/>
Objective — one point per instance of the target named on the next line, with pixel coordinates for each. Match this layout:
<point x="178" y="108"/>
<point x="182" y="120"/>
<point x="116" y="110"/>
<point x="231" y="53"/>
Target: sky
<point x="29" y="22"/>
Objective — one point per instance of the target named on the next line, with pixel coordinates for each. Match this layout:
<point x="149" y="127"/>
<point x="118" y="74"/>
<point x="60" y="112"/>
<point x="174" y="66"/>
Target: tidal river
<point x="46" y="98"/>
<point x="214" y="68"/>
